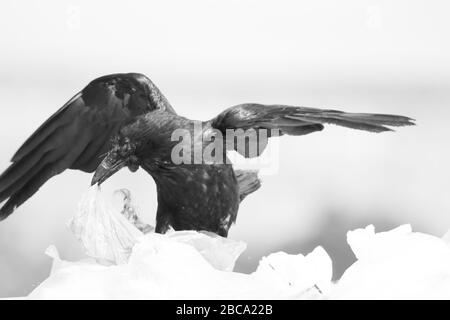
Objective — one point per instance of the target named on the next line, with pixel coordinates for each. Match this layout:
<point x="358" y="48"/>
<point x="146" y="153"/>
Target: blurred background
<point x="206" y="55"/>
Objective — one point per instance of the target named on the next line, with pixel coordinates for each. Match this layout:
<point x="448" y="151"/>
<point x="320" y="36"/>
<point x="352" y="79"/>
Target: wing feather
<point x="76" y="136"/>
<point x="296" y="121"/>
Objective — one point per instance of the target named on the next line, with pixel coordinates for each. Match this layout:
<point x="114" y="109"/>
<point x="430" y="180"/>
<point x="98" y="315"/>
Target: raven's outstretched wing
<point x="77" y="135"/>
<point x="300" y="120"/>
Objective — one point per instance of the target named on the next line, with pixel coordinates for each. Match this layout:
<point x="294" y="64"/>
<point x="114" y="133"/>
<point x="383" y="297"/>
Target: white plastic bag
<point x="104" y="232"/>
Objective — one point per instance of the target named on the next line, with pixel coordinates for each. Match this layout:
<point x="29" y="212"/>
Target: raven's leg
<point x="162" y="221"/>
<point x="248" y="182"/>
<point x="223" y="231"/>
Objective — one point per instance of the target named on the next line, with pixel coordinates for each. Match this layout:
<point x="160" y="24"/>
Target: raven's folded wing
<point x="75" y="137"/>
<point x="299" y="120"/>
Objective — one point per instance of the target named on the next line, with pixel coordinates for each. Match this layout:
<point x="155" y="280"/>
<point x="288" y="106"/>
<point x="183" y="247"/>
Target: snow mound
<point x="398" y="264"/>
<point x="125" y="263"/>
<point x="186" y="265"/>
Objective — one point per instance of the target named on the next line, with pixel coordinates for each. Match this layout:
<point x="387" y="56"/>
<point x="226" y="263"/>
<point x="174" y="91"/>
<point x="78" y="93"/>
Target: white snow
<point x="398" y="264"/>
<point x="181" y="266"/>
<point x="126" y="264"/>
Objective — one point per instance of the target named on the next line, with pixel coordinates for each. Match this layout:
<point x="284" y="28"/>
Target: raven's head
<point x="122" y="154"/>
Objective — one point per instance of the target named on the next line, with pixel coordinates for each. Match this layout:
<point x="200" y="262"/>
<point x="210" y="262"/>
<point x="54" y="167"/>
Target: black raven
<point x="123" y="120"/>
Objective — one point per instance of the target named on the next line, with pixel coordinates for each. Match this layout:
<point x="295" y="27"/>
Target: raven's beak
<point x="110" y="165"/>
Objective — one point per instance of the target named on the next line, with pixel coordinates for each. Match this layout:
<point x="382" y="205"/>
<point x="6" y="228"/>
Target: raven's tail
<point x="248" y="182"/>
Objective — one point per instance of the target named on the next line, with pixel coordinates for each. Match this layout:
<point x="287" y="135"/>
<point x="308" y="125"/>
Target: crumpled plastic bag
<point x="104" y="232"/>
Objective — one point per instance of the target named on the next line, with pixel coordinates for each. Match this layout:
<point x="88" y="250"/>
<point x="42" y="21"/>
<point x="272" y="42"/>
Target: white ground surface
<point x="126" y="264"/>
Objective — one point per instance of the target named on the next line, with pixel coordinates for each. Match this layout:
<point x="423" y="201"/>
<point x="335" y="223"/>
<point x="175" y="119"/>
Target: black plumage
<point x="124" y="120"/>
